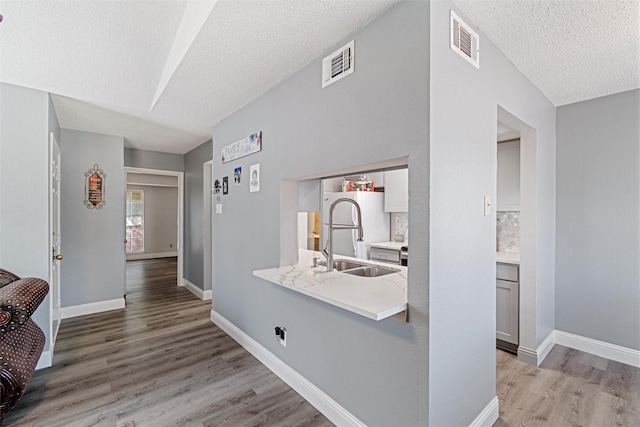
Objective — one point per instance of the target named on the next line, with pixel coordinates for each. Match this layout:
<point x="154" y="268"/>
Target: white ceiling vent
<point x="464" y="40"/>
<point x="338" y="65"/>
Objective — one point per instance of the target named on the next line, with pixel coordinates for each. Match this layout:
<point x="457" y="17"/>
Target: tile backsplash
<point x="508" y="231"/>
<point x="400" y="225"/>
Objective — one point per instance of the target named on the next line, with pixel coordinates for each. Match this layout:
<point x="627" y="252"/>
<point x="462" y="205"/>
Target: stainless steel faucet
<point x="329" y="254"/>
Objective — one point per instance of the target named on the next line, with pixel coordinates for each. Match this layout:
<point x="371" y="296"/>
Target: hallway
<point x="159" y="362"/>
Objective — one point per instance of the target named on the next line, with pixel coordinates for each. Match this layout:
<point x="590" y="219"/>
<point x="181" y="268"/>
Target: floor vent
<point x="338" y="65"/>
<point x="464" y="40"/>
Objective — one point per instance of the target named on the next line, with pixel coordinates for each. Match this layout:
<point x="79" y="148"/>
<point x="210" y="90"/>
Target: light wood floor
<point x="159" y="362"/>
<point x="571" y="388"/>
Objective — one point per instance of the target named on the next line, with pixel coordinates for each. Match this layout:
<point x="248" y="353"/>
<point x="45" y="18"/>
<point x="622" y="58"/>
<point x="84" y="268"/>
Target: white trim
<point x="180" y="227"/>
<point x="599" y="348"/>
<point x="316" y="397"/>
<point x="142" y="184"/>
<point x="194" y="289"/>
<point x="489" y="414"/>
<point x="207" y="203"/>
<point x="45" y="360"/>
<point x="528" y="356"/>
<point x="92" y="307"/>
<point x="546" y="346"/>
<point x="136" y="256"/>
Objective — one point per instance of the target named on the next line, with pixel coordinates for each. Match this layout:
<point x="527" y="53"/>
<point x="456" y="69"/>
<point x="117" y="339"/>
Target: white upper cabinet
<point x="396" y="191"/>
<point x="508" y="176"/>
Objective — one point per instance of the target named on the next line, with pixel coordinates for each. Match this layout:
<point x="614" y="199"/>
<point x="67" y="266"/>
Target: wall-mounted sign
<point x="94" y="188"/>
<point x="244" y="147"/>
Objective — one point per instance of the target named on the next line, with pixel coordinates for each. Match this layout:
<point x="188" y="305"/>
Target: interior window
<point x="135" y="221"/>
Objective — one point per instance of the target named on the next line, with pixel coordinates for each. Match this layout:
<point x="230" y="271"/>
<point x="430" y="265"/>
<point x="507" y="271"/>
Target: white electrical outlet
<point x="218" y="208"/>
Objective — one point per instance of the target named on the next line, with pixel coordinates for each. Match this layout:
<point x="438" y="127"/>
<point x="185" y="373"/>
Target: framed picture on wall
<point x="225" y="185"/>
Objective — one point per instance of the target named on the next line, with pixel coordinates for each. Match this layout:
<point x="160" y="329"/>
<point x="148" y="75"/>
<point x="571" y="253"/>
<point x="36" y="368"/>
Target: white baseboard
<point x="320" y="400"/>
<point x="91" y="308"/>
<point x="599" y="348"/>
<point x="528" y="356"/>
<point x="489" y="414"/>
<point x="545" y="347"/>
<point x="135" y="257"/>
<point x="203" y="295"/>
<point x="45" y="360"/>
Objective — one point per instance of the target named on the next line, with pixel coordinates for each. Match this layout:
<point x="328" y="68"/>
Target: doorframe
<point x="53" y="330"/>
<point x="180" y="225"/>
<point x="207" y="219"/>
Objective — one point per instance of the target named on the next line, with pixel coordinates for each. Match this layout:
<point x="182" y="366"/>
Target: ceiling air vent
<point x="464" y="40"/>
<point x="337" y="65"/>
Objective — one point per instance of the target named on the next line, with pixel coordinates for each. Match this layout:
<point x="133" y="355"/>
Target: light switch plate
<point x="218" y="208"/>
<point x="487" y="205"/>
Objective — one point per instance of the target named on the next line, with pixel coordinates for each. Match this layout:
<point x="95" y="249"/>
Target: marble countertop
<point x="389" y="245"/>
<point x="373" y="297"/>
<point x="508" y="258"/>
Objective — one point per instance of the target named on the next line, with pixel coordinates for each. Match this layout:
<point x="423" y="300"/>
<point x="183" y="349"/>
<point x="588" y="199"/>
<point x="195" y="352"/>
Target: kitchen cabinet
<point x="507" y="306"/>
<point x="385" y="255"/>
<point x="396" y="190"/>
<point x="508" y="185"/>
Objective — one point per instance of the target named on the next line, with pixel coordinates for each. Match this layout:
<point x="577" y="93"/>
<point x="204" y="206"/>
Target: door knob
<point x="125" y="241"/>
<point x="58" y="257"/>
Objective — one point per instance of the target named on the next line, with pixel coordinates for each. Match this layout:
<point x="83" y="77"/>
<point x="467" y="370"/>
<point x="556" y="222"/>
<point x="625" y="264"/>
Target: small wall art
<point x="216" y="186"/>
<point x="237" y="175"/>
<point x="254" y="178"/>
<point x="225" y="185"/>
<point x="94" y="188"/>
<point x="244" y="147"/>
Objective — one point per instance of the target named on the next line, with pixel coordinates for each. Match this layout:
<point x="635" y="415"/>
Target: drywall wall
<point x="193" y="225"/>
<point x="598" y="243"/>
<point x="464" y="106"/>
<point x="160" y="218"/>
<point x="376" y="370"/>
<point x="93" y="242"/>
<point x="25" y="120"/>
<point x="134" y="158"/>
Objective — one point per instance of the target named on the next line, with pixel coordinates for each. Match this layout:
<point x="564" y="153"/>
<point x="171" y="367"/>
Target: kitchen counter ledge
<point x="373" y="297"/>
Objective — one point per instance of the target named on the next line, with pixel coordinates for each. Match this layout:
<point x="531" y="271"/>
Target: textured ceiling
<point x="572" y="50"/>
<point x="162" y="75"/>
<point x="103" y="61"/>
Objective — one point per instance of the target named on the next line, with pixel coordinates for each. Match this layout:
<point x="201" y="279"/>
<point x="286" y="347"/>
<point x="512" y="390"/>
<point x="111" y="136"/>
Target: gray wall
<point x="598" y="243"/>
<point x="135" y="158"/>
<point x="464" y="104"/>
<point x="93" y="241"/>
<point x="376" y="370"/>
<point x="160" y="218"/>
<point x="25" y="120"/>
<point x="193" y="225"/>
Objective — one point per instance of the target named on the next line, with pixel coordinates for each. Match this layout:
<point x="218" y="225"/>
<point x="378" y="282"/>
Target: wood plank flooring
<point x="159" y="362"/>
<point x="570" y="388"/>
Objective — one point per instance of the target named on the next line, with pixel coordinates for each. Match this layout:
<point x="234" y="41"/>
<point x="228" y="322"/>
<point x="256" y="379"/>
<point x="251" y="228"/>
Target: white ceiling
<point x="162" y="75"/>
<point x="572" y="50"/>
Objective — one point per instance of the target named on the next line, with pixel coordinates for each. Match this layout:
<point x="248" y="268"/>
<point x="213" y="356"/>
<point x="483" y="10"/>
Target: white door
<point x="56" y="236"/>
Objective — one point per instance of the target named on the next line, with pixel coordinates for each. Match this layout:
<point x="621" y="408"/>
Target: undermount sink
<point x="371" y="271"/>
<point x="343" y="264"/>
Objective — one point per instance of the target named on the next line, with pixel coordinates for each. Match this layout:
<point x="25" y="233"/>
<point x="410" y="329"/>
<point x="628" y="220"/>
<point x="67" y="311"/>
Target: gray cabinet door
<point x="507" y="301"/>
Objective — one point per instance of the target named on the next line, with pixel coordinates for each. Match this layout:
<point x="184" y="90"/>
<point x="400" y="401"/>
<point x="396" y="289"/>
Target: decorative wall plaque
<point x="244" y="147"/>
<point x="94" y="188"/>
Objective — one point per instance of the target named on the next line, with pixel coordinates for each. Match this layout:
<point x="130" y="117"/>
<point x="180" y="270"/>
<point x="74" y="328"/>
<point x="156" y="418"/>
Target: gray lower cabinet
<point x="507" y="304"/>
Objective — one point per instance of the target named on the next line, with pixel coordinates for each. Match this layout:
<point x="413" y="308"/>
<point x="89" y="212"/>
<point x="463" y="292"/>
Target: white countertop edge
<point x="396" y="246"/>
<point x="371" y="315"/>
<point x="508" y="258"/>
<point x="293" y="273"/>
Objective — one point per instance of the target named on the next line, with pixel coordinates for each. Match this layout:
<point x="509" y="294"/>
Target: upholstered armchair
<point x="21" y="340"/>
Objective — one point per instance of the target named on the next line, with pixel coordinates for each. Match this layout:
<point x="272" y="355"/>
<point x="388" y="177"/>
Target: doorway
<point x="154" y="212"/>
<point x="526" y="276"/>
<point x="55" y="238"/>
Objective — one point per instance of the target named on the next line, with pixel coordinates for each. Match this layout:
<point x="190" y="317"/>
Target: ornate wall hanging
<point x="244" y="147"/>
<point x="94" y="188"/>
